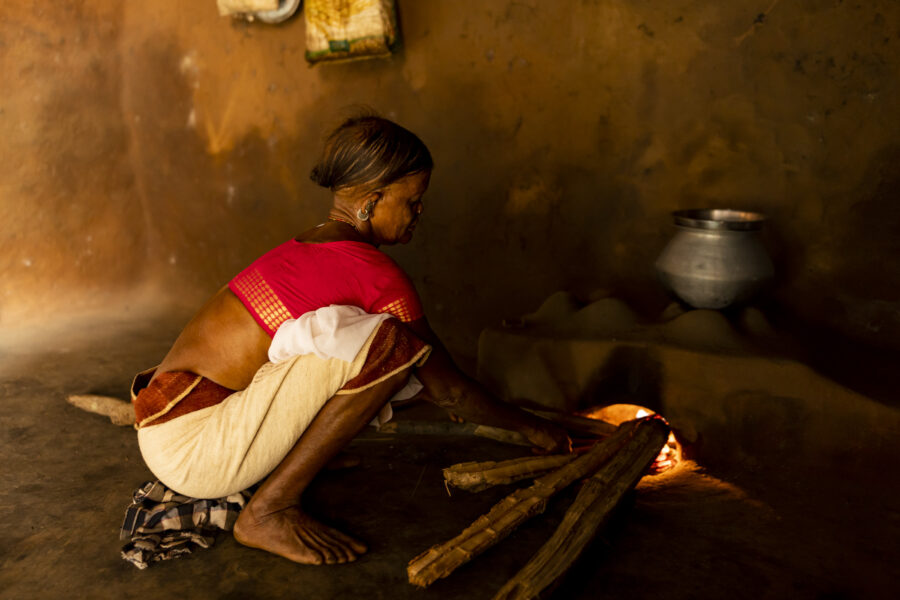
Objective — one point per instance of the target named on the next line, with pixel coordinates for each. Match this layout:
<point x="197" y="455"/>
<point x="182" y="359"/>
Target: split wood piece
<point x="478" y="476"/>
<point x="449" y="428"/>
<point x="118" y="411"/>
<point x="441" y="560"/>
<point x="594" y="427"/>
<point x="593" y="505"/>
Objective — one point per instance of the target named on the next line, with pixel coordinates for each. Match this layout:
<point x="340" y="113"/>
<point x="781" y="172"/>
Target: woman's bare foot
<point x="293" y="534"/>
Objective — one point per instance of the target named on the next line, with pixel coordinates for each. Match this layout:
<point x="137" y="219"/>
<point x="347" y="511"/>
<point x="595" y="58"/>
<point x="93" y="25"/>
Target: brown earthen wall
<point x="148" y="150"/>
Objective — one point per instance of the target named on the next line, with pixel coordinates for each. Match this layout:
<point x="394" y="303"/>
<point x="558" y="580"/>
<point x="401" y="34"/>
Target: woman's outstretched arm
<point x="450" y="388"/>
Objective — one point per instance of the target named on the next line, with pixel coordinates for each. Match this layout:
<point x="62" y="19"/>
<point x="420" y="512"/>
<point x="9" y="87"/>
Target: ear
<point x="372" y="198"/>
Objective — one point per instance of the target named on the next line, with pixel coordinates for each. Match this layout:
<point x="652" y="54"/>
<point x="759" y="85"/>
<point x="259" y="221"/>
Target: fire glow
<point x="616" y="414"/>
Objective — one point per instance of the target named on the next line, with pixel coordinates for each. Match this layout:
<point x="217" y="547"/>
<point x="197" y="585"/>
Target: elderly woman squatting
<point x="217" y="416"/>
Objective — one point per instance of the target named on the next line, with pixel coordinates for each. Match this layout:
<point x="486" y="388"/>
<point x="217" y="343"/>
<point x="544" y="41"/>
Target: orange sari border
<point x="393" y="349"/>
<point x="171" y="395"/>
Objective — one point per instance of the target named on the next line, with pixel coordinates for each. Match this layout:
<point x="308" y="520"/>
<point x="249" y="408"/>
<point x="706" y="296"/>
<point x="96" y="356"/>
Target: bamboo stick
<point x="502" y="435"/>
<point x="442" y="559"/>
<point x="478" y="476"/>
<point x="592" y="507"/>
<point x="594" y="427"/>
<point x="449" y="428"/>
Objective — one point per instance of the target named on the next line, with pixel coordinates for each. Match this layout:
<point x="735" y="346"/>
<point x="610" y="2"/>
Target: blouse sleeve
<point x="401" y="300"/>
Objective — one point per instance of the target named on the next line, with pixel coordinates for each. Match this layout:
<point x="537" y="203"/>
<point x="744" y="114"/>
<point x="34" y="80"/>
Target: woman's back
<point x="222" y="342"/>
<point x="228" y="339"/>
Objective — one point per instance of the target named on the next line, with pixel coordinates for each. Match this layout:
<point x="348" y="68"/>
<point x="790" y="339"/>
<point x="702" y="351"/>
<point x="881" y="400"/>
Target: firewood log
<point x="592" y="507"/>
<point x="477" y="476"/>
<point x="441" y="560"/>
<point x="119" y="412"/>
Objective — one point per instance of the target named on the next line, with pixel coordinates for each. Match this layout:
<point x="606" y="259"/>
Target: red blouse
<point x="295" y="278"/>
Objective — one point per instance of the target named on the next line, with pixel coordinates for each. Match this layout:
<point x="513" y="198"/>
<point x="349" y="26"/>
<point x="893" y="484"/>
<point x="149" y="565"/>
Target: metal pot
<point x="716" y="257"/>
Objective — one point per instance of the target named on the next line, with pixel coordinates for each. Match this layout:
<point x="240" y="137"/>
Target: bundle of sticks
<point x="612" y="467"/>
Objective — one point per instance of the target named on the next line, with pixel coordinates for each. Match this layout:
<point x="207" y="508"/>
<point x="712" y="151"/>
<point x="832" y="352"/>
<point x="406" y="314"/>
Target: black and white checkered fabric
<point x="161" y="524"/>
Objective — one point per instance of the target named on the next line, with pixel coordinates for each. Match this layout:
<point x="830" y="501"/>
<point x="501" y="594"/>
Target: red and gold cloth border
<point x="263" y="302"/>
<point x="393" y="349"/>
<point x="171" y="395"/>
<point x="400" y="308"/>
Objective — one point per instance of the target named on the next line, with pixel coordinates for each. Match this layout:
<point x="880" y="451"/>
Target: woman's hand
<point x="550" y="439"/>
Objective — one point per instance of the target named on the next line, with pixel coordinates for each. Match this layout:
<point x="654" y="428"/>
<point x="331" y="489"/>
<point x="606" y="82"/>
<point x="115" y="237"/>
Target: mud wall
<point x="150" y="150"/>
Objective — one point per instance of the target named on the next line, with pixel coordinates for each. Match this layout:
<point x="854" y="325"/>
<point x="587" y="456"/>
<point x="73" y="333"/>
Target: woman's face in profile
<point x="396" y="212"/>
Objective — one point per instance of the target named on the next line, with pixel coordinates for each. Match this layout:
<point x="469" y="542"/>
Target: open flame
<point x="668" y="457"/>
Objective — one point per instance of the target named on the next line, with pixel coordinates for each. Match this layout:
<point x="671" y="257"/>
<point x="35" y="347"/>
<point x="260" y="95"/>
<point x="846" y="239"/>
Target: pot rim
<point x="719" y="218"/>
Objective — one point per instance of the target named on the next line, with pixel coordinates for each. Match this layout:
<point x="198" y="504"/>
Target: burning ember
<point x="616" y="414"/>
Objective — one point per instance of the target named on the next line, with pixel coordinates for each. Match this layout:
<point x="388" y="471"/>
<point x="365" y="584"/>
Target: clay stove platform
<point x="735" y="389"/>
<point x="728" y="530"/>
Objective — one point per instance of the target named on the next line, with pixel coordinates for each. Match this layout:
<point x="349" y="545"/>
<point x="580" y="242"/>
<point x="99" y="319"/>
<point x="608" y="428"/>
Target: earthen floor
<point x="695" y="533"/>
